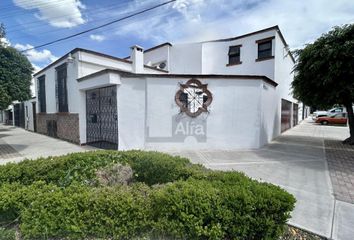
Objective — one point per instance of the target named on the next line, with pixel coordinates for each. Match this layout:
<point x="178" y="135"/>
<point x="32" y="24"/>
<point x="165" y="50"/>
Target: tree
<point x="2" y="31"/>
<point x="5" y="99"/>
<point x="324" y="72"/>
<point x="15" y="75"/>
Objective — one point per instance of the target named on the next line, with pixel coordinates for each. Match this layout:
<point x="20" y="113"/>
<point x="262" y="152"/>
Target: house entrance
<point x="101" y="118"/>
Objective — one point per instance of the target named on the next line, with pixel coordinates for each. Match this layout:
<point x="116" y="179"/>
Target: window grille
<point x="61" y="88"/>
<point x="235" y="54"/>
<point x="41" y="94"/>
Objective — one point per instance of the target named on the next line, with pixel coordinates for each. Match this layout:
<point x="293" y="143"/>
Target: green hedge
<point x="7" y="234"/>
<point x="194" y="204"/>
<point x="222" y="206"/>
<point x="149" y="167"/>
<point x="76" y="211"/>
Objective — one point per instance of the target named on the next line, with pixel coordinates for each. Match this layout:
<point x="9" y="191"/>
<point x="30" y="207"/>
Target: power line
<point x="103" y="31"/>
<point x="113" y="28"/>
<point x="101" y="26"/>
<point x="62" y="31"/>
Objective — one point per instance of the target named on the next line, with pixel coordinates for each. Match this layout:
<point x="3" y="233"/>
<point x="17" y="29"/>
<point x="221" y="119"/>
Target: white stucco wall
<point x="284" y="75"/>
<point x="83" y="64"/>
<point x="50" y="77"/>
<point x="186" y="58"/>
<point x="90" y="63"/>
<point x="157" y="55"/>
<point x="147" y="113"/>
<point x="212" y="57"/>
<point x="215" y="57"/>
<point x="29" y="121"/>
<point x="269" y="114"/>
<point x="131" y="96"/>
<point x="244" y="113"/>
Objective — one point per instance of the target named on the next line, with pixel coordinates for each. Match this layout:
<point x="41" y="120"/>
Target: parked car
<point x="330" y="112"/>
<point x="336" y="118"/>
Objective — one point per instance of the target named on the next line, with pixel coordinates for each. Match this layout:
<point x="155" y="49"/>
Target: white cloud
<point x="96" y="37"/>
<point x="45" y="56"/>
<point x="195" y="20"/>
<point x="189" y="8"/>
<point x="58" y="13"/>
<point x="5" y="42"/>
<point x="36" y="68"/>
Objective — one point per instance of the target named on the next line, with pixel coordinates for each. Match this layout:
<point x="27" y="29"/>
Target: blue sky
<point x="33" y="22"/>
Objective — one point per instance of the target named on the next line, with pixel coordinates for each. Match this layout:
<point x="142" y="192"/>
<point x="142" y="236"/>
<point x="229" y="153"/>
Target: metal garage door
<point x="285" y="115"/>
<point x="101" y="116"/>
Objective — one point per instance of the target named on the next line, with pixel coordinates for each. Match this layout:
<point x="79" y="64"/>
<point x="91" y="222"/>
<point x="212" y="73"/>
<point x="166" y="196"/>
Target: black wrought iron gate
<point x="101" y="115"/>
<point x="19" y="112"/>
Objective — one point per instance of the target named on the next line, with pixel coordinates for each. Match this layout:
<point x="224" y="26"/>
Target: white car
<point x="330" y="112"/>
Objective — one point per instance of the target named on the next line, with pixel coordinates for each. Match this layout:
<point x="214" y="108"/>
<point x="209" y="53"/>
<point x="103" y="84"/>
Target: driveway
<point x="17" y="144"/>
<point x="295" y="161"/>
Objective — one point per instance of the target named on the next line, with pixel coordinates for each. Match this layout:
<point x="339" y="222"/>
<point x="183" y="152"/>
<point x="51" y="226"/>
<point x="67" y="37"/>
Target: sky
<point x="33" y="22"/>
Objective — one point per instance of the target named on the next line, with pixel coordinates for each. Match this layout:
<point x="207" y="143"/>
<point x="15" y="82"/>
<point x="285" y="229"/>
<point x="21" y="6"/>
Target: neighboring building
<point x="20" y="114"/>
<point x="224" y="94"/>
<point x="30" y="115"/>
<point x="6" y="116"/>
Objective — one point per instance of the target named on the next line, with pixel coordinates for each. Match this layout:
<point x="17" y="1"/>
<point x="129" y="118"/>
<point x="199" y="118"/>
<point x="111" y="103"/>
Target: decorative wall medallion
<point x="193" y="98"/>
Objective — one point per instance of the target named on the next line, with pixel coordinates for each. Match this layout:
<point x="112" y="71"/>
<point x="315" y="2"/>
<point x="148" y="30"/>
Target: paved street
<point x="297" y="162"/>
<point x="17" y="144"/>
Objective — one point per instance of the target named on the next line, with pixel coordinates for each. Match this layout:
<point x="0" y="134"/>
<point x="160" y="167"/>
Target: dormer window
<point x="265" y="50"/>
<point x="234" y="55"/>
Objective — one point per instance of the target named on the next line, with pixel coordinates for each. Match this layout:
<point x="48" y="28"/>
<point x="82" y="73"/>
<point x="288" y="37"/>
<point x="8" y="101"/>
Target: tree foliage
<point x="15" y="75"/>
<point x="5" y="99"/>
<point x="324" y="72"/>
<point x="325" y="69"/>
<point x="2" y="31"/>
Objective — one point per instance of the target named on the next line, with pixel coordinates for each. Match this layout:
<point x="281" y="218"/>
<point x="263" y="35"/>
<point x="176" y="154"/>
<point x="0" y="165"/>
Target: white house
<point x="223" y="94"/>
<point x="20" y="114"/>
<point x="6" y="115"/>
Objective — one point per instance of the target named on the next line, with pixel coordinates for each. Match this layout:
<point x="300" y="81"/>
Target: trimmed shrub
<point x="223" y="206"/>
<point x="149" y="167"/>
<point x="47" y="211"/>
<point x="187" y="210"/>
<point x="7" y="234"/>
<point x="156" y="168"/>
<point x="170" y="199"/>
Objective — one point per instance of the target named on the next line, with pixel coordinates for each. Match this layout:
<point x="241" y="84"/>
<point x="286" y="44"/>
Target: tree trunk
<point x="349" y="108"/>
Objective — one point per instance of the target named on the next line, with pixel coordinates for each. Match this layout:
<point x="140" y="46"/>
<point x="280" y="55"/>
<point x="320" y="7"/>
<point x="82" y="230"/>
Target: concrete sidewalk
<point x="17" y="144"/>
<point x="296" y="161"/>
